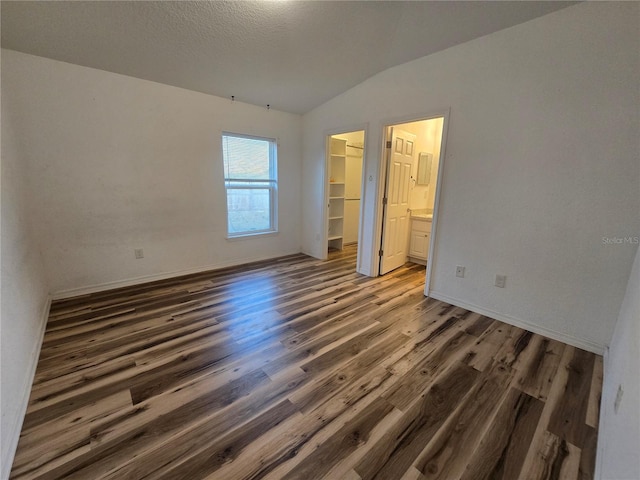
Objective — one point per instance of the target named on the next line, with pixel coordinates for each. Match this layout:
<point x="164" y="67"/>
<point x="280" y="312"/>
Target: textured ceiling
<point x="293" y="55"/>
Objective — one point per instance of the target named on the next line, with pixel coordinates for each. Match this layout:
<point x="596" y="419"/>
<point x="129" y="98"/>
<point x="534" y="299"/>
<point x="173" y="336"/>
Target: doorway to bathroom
<point x="412" y="161"/>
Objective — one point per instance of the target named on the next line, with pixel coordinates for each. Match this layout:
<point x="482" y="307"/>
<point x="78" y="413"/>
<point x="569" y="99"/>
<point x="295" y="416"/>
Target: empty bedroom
<point x="320" y="240"/>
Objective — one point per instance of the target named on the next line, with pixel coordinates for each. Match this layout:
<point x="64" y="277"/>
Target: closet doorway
<point x="345" y="157"/>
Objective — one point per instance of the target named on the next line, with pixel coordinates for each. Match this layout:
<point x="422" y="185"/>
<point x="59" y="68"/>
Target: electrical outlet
<point x="460" y="271"/>
<point x="616" y="404"/>
<point x="138" y="252"/>
<point x="501" y="280"/>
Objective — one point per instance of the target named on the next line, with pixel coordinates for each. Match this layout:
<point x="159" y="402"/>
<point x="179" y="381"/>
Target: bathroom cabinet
<point x="419" y="239"/>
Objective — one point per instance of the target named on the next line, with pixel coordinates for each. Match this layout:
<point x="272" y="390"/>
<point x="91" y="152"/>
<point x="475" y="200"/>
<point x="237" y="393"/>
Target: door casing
<point x="377" y="245"/>
<point x="327" y="139"/>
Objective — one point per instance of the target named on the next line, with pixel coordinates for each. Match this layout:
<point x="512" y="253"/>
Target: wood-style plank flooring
<point x="297" y="368"/>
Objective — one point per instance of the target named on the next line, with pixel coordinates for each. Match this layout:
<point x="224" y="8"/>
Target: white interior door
<point x="395" y="228"/>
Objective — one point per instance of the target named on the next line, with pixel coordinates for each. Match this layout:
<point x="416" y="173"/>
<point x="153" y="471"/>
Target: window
<point x="251" y="183"/>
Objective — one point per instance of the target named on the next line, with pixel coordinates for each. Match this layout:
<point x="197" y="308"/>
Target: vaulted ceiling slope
<point x="293" y="55"/>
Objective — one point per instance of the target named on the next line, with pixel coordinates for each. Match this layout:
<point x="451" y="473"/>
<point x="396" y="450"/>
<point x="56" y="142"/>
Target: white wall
<point x="118" y="163"/>
<point x="24" y="294"/>
<point x="619" y="433"/>
<point x="541" y="163"/>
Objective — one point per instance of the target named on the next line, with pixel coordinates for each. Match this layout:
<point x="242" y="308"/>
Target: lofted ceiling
<point x="293" y="55"/>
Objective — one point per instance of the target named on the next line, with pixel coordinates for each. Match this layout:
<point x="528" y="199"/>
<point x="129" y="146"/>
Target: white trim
<point x="516" y="322"/>
<point x="376" y="244"/>
<point x="436" y="204"/>
<point x="100" y="287"/>
<point x="604" y="402"/>
<point x="245" y="236"/>
<point x="14" y="436"/>
<point x="382" y="173"/>
<point x="362" y="127"/>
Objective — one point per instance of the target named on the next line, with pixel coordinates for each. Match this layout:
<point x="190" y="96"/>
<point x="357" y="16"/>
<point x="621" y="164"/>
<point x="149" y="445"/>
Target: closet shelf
<point x="337" y="169"/>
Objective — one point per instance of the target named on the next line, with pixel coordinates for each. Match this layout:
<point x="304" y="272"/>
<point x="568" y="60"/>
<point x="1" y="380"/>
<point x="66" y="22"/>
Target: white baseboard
<point x="605" y="401"/>
<point x="516" y="322"/>
<point x="14" y="436"/>
<point x="99" y="287"/>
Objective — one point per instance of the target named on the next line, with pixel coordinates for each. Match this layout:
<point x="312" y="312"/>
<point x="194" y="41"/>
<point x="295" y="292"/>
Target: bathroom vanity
<point x="419" y="237"/>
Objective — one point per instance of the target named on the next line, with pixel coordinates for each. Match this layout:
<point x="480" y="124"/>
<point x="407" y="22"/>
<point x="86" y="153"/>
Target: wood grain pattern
<point x="296" y="368"/>
<point x="458" y="437"/>
<point x="568" y="420"/>
<point x="503" y="448"/>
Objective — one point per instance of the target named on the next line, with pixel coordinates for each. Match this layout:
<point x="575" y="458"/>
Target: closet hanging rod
<point x="355" y="146"/>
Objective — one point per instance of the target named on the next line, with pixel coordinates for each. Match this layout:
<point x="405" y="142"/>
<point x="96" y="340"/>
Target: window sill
<point x="245" y="236"/>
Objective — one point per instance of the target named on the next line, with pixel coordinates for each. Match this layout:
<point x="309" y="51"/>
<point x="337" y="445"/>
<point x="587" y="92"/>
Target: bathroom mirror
<point x="424" y="168"/>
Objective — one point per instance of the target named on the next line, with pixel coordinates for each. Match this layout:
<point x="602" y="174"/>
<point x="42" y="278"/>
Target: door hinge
<point x="384" y="200"/>
<point x="389" y="144"/>
<point x="380" y="252"/>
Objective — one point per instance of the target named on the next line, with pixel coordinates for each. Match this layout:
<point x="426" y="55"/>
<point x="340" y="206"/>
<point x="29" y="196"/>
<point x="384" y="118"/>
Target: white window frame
<point x="271" y="185"/>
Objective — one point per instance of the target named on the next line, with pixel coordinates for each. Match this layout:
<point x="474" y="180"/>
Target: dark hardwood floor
<point x="297" y="368"/>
